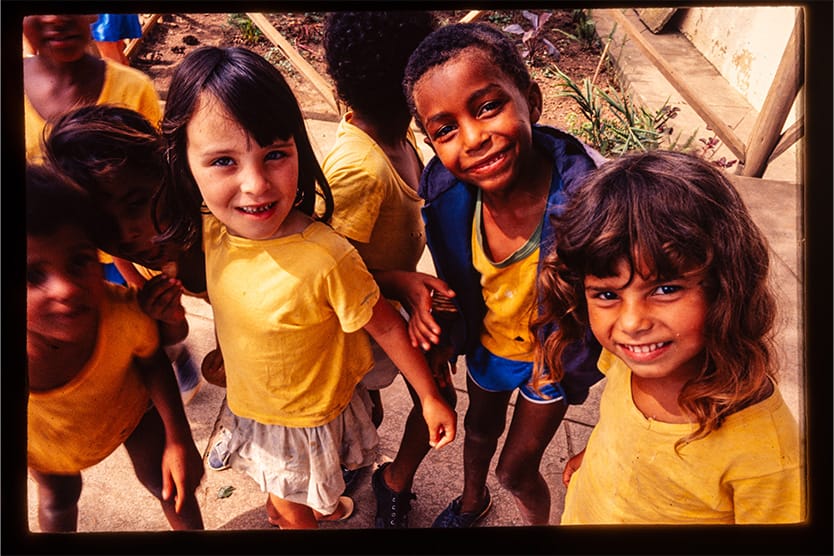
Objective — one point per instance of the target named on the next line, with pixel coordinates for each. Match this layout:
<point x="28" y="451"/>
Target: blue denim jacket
<point x="448" y="212"/>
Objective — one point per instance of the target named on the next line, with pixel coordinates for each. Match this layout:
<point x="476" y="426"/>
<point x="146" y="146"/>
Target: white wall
<point x="745" y="44"/>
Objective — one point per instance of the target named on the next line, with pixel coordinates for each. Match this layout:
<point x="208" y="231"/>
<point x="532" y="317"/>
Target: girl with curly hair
<point x="660" y="259"/>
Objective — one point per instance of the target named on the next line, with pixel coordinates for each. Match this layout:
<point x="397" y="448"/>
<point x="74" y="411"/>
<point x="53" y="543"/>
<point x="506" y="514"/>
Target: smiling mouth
<point x="489" y="163"/>
<point x="258" y="209"/>
<point x="644" y="348"/>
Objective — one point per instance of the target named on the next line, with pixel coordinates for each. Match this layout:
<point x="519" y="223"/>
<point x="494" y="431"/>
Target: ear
<point x="535" y="101"/>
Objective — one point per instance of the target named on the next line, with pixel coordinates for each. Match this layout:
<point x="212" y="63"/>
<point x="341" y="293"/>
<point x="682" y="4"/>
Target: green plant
<point x="586" y="29"/>
<point x="613" y="124"/>
<point x="499" y="18"/>
<point x="533" y="40"/>
<point x="248" y="30"/>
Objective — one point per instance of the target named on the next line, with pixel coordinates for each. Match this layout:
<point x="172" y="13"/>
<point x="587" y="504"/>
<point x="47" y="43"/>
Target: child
<point x="374" y="170"/>
<point x="94" y="367"/>
<point x="111" y="30"/>
<point x="116" y="155"/>
<point x="660" y="259"/>
<point x="489" y="191"/>
<point x="290" y="296"/>
<point x="63" y="75"/>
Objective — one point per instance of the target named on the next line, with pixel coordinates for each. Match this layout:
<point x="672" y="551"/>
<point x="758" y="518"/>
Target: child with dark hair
<point x="374" y="169"/>
<point x="111" y="30"/>
<point x="117" y="155"/>
<point x="290" y="296"/>
<point x="62" y="75"/>
<point x="660" y="259"/>
<point x="96" y="375"/>
<point x="495" y="180"/>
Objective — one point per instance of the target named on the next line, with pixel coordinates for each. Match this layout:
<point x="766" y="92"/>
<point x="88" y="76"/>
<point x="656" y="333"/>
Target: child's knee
<point x="58" y="493"/>
<point x="481" y="428"/>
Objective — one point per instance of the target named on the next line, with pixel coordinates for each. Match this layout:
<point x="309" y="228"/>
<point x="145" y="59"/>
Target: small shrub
<point x="248" y="30"/>
<point x="533" y="41"/>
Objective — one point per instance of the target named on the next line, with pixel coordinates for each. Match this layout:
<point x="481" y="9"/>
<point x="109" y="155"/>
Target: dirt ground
<point x="174" y="35"/>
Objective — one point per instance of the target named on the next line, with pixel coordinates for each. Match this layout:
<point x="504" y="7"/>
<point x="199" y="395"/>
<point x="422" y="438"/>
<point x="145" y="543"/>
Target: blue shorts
<point x="114" y="27"/>
<point x="497" y="374"/>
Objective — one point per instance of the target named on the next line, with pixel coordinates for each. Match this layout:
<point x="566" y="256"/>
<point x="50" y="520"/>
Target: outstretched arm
<point x="415" y="290"/>
<point x="182" y="466"/>
<point x="388" y="329"/>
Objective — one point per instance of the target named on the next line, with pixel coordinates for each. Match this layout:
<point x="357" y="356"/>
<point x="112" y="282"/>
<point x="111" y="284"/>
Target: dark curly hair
<point x="678" y="213"/>
<point x="105" y="143"/>
<point x="102" y="145"/>
<point x="447" y="42"/>
<point x="366" y="54"/>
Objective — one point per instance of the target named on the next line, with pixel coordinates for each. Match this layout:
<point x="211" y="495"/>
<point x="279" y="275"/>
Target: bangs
<point x="257" y="98"/>
<point x="662" y="240"/>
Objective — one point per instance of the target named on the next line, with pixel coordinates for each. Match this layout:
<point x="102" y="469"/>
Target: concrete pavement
<point x="113" y="501"/>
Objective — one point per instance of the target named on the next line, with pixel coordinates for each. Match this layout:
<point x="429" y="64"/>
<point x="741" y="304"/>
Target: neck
<point x="391" y="132"/>
<point x="530" y="188"/>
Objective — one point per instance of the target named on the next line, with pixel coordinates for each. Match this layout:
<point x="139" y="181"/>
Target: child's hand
<point x="414" y="290"/>
<point x="182" y="471"/>
<point x="438" y="360"/>
<point x="571" y="466"/>
<point x="441" y="420"/>
<point x="161" y="298"/>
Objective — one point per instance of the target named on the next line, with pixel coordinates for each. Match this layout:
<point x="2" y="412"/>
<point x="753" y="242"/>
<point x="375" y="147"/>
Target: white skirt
<point x="383" y="372"/>
<point x="303" y="464"/>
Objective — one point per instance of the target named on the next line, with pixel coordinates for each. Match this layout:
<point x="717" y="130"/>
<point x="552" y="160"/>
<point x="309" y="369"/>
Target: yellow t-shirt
<point x="123" y="85"/>
<point x="747" y="471"/>
<point x="289" y="314"/>
<point x="374" y="207"/>
<point x="77" y="425"/>
<point x="509" y="290"/>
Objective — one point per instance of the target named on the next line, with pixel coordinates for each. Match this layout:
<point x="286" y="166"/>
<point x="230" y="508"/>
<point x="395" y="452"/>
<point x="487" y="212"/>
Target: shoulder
<point x="435" y="180"/>
<point x="562" y="143"/>
<point x="121" y="72"/>
<point x="122" y="302"/>
<point x="354" y="157"/>
<point x="326" y="240"/>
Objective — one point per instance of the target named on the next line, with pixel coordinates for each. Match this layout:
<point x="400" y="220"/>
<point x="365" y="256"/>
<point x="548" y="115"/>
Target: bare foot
<point x="343" y="511"/>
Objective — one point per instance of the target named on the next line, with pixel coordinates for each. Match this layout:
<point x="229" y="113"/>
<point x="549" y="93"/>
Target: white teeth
<point x="256" y="210"/>
<point x="646" y="348"/>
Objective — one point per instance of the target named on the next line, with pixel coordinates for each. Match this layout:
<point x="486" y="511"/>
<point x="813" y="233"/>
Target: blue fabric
<point x="114" y="27"/>
<point x="494" y="373"/>
<point x="112" y="274"/>
<point x="448" y="212"/>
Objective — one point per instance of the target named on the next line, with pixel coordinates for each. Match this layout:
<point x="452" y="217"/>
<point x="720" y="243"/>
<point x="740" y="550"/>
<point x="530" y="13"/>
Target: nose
<point x="131" y="230"/>
<point x="62" y="287"/>
<point x="634" y="317"/>
<point x="474" y="136"/>
<point x="254" y="181"/>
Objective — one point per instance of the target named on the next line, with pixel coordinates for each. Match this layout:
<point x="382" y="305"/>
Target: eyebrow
<point x="475" y="95"/>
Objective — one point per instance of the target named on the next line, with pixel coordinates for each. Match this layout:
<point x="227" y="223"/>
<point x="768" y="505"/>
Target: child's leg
<point x="483" y="425"/>
<point x="57" y="501"/>
<point x="292" y="515"/>
<point x="145" y="446"/>
<point x="531" y="430"/>
<point x="414" y="445"/>
<point x="377" y="411"/>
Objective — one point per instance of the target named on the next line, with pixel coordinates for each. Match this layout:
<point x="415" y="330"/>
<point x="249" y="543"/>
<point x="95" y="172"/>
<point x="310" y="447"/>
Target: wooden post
<point x="788" y="80"/>
<point x="318" y="82"/>
<point x="133" y="45"/>
<point x="722" y="130"/>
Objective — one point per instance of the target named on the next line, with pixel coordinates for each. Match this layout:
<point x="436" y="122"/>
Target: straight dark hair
<point x="259" y="98"/>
